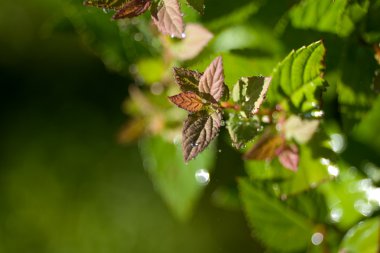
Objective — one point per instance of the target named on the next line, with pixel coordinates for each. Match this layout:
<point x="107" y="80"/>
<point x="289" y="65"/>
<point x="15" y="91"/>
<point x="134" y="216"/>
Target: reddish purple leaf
<point x="187" y="80"/>
<point x="198" y="131"/>
<point x="168" y="19"/>
<point x="187" y="100"/>
<point x="289" y="157"/>
<point x="212" y="81"/>
<point x="106" y="4"/>
<point x="132" y="9"/>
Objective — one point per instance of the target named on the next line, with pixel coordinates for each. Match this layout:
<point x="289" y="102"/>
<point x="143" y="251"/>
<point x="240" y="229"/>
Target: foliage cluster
<point x="303" y="123"/>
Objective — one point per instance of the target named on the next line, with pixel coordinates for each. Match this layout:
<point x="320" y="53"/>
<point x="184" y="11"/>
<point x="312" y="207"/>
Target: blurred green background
<point x="65" y="183"/>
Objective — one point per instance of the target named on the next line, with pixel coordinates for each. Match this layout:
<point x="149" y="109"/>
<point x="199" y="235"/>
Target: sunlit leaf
<point x="187" y="80"/>
<point x="197" y="5"/>
<point x="168" y="19"/>
<point x="276" y="225"/>
<point x="132" y="9"/>
<point x="242" y="129"/>
<point x="197" y="37"/>
<point x="265" y="148"/>
<point x="250" y="92"/>
<point x="299" y="78"/>
<point x="187" y="100"/>
<point x="363" y="238"/>
<point x="337" y="16"/>
<point x="301" y="130"/>
<point x="199" y="130"/>
<point x="289" y="157"/>
<point x="176" y="181"/>
<point x="212" y="81"/>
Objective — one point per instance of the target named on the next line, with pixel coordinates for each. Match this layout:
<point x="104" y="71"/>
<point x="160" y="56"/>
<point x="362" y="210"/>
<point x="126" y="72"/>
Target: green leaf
<point x="299" y="78"/>
<point x="363" y="238"/>
<point x="250" y="92"/>
<point x="151" y="70"/>
<point x="179" y="184"/>
<point x="198" y="5"/>
<point x="337" y="16"/>
<point x="354" y="91"/>
<point x="198" y="131"/>
<point x="242" y="129"/>
<point x="277" y="226"/>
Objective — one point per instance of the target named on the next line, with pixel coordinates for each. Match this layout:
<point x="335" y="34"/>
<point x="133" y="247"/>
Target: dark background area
<point x="66" y="185"/>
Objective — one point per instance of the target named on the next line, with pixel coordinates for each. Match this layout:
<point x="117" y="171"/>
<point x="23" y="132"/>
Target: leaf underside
<point x="188" y="101"/>
<point x="198" y="131"/>
<point x="212" y="81"/>
<point x="168" y="19"/>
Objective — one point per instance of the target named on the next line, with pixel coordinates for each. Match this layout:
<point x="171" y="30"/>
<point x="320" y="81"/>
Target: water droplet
<point x="194" y="144"/>
<point x="317" y="238"/>
<point x="183" y="35"/>
<point x="220" y="151"/>
<point x="202" y="176"/>
<point x="172" y="35"/>
<point x="105" y="10"/>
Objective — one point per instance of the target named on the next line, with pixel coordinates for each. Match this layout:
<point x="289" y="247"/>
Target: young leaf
<point x="187" y="79"/>
<point x="275" y="224"/>
<point x="265" y="148"/>
<point x="212" y="81"/>
<point x="299" y="77"/>
<point x="198" y="5"/>
<point x="198" y="131"/>
<point x="168" y="19"/>
<point x="251" y="92"/>
<point x="242" y="129"/>
<point x="289" y="157"/>
<point x="107" y="4"/>
<point x="132" y="9"/>
<point x="187" y="100"/>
